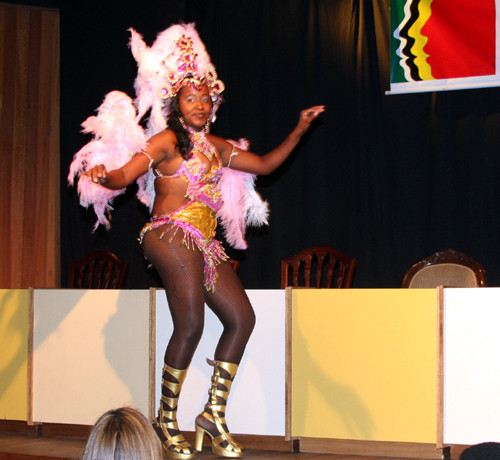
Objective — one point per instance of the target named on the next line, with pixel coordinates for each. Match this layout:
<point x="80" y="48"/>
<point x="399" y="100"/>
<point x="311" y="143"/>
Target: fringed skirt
<point x="198" y="222"/>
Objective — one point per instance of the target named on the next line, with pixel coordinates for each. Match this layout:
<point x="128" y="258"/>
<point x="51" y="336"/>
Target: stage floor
<point x="45" y="448"/>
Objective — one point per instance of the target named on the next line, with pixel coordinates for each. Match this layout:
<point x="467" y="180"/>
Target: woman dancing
<point x="186" y="163"/>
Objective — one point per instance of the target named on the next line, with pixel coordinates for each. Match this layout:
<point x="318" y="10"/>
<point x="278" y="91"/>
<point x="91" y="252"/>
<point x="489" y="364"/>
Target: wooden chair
<point x="445" y="268"/>
<point x="318" y="267"/>
<point x="99" y="270"/>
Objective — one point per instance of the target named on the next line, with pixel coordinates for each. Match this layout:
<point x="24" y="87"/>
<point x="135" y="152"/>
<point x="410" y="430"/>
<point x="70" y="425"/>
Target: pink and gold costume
<point x="197" y="219"/>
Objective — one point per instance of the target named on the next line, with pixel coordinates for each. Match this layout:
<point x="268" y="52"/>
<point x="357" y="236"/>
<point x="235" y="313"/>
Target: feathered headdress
<point x="177" y="58"/>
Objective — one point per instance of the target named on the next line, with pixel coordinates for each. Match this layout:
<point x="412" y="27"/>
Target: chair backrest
<point x="318" y="267"/>
<point x="445" y="268"/>
<point x="99" y="270"/>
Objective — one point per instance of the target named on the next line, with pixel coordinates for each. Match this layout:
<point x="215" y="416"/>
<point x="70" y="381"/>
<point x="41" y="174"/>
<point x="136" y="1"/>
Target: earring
<point x="181" y="120"/>
<point x="207" y="126"/>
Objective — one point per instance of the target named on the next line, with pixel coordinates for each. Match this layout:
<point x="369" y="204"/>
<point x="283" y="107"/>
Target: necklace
<point x="200" y="141"/>
<point x="201" y="144"/>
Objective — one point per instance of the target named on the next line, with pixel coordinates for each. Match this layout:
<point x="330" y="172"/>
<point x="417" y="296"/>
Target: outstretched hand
<point x="307" y="116"/>
<point x="98" y="174"/>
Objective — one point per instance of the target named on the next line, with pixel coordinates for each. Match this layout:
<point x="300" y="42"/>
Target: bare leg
<point x="181" y="270"/>
<point x="230" y="303"/>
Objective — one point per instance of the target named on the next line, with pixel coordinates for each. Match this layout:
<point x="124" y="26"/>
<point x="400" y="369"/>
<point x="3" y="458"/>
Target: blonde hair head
<point x="123" y="434"/>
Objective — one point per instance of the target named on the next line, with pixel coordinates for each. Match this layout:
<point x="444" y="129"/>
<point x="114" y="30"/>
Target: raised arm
<point x="267" y="163"/>
<point x="159" y="147"/>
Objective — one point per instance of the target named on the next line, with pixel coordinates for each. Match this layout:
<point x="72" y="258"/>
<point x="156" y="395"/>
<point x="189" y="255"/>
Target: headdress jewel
<point x="186" y="73"/>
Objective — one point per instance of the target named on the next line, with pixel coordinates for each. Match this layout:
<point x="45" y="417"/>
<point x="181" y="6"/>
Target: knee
<point x="246" y="323"/>
<point x="189" y="331"/>
<point x="241" y="324"/>
<point x="251" y="321"/>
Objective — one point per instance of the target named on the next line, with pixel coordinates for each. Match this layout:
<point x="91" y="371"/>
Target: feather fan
<point x="117" y="135"/>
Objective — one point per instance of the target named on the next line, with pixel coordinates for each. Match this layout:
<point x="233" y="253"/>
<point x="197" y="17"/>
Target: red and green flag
<point x="443" y="44"/>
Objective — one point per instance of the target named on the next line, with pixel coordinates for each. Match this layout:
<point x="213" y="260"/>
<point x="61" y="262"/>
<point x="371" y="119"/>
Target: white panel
<point x="471" y="365"/>
<point x="91" y="353"/>
<point x="257" y="400"/>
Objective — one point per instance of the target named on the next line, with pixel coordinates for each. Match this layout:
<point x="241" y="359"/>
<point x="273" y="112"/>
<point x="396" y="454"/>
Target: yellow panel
<point x="364" y="364"/>
<point x="14" y="312"/>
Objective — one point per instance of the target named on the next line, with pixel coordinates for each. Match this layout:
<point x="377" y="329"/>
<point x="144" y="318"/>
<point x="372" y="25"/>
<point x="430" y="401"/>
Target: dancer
<point x="184" y="162"/>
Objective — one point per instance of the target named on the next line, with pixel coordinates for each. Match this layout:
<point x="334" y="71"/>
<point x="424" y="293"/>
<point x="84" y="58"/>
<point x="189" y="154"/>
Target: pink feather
<point x="242" y="205"/>
<point x="230" y="214"/>
<point x="116" y="136"/>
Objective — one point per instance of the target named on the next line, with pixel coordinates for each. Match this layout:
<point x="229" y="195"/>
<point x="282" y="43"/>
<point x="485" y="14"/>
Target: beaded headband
<point x="186" y="73"/>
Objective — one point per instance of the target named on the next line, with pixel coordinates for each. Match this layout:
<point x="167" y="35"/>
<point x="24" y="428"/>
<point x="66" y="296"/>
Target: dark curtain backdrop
<point x="387" y="179"/>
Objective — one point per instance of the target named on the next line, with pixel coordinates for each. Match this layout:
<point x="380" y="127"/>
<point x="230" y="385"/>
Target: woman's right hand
<point x="98" y="174"/>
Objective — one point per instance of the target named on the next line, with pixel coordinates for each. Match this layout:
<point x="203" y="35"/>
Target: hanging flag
<point x="443" y="44"/>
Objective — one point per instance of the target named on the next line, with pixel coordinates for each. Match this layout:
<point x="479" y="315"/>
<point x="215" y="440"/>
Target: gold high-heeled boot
<point x="215" y="409"/>
<point x="174" y="444"/>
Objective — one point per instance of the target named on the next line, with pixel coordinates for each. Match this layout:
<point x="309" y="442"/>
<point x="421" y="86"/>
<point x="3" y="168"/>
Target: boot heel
<point x="198" y="440"/>
<point x="222" y="442"/>
<point x="174" y="445"/>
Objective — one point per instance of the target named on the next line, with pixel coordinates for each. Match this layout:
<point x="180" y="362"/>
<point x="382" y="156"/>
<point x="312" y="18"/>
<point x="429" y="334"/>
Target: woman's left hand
<point x="307" y="116"/>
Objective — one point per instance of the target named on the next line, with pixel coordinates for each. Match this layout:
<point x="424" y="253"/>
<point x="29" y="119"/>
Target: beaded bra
<point x="202" y="184"/>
